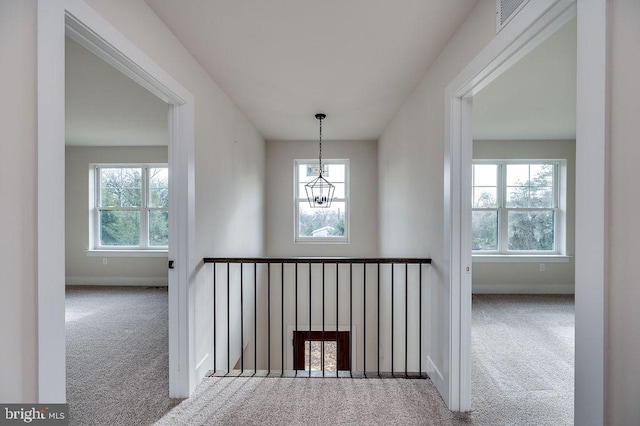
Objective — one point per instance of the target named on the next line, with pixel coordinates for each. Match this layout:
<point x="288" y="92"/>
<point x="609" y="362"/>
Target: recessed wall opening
<point x="321" y="351"/>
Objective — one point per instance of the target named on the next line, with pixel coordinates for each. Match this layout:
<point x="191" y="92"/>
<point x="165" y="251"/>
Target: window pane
<point x="541" y="174"/>
<point x="158" y="228"/>
<point x="484" y="230"/>
<point x="323" y="222"/>
<point x="339" y="192"/>
<point x="517" y="174"/>
<point x="310" y="171"/>
<point x="334" y="172"/>
<point x="485" y="197"/>
<point x="120" y="228"/>
<point x="518" y="196"/>
<point x="315" y="347"/>
<point x="120" y="187"/>
<point x="530" y="185"/>
<point x="159" y="187"/>
<point x="485" y="181"/>
<point x="541" y="197"/>
<point x="531" y="230"/>
<point x="485" y="174"/>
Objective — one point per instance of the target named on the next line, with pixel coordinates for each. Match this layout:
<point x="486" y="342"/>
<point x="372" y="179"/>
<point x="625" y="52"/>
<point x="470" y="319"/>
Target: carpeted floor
<point x="316" y="401"/>
<point x="522" y="360"/>
<point x="522" y="367"/>
<point x="117" y="355"/>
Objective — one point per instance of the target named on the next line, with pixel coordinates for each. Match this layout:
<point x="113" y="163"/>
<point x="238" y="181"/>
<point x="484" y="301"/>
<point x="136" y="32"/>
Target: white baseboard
<point x="433" y="372"/>
<point x="118" y="281"/>
<point x="203" y="367"/>
<point x="523" y="289"/>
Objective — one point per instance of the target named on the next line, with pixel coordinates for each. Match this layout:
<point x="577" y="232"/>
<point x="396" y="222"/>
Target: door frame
<point x="534" y="23"/>
<point x="55" y="19"/>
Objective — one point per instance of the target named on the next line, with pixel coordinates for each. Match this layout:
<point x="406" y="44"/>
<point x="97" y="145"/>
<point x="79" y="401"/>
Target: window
<point x="322" y="224"/>
<point x="131" y="207"/>
<point x="516" y="207"/>
<point x="317" y="350"/>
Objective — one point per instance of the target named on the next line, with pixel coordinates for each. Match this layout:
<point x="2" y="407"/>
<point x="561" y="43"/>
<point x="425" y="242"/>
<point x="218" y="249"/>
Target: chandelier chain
<point x="320" y="155"/>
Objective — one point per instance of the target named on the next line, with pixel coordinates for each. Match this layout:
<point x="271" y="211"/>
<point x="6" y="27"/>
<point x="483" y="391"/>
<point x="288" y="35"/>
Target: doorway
<point x="523" y="220"/>
<point x="531" y="26"/>
<point x="116" y="304"/>
<point x="80" y="22"/>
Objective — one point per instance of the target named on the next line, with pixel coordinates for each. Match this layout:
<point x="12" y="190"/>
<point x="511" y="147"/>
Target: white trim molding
<point x="480" y="258"/>
<point x="534" y="288"/>
<point x="592" y="239"/>
<point x="118" y="281"/>
<point x="127" y="253"/>
<point x="528" y="28"/>
<point x="83" y="24"/>
<point x="51" y="220"/>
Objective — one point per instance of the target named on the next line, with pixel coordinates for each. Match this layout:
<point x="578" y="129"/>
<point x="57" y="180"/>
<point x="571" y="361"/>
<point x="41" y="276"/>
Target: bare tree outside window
<point x="519" y="200"/>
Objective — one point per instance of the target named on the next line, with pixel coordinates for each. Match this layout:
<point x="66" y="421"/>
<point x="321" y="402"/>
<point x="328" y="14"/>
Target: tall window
<point x="515" y="207"/>
<point x="131" y="207"/>
<point x="322" y="224"/>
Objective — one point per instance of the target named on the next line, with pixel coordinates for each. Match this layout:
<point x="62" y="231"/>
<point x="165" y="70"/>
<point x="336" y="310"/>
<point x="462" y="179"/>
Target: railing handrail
<point x="368" y="260"/>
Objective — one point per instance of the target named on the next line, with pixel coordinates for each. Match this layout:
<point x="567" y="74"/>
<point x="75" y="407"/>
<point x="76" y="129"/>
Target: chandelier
<point x="320" y="190"/>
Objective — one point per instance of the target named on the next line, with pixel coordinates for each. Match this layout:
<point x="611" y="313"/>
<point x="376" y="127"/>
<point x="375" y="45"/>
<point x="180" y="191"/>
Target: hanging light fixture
<point x="320" y="191"/>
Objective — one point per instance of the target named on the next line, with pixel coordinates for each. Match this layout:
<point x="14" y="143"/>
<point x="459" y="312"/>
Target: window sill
<point x="127" y="253"/>
<point x="512" y="258"/>
<point x="321" y="241"/>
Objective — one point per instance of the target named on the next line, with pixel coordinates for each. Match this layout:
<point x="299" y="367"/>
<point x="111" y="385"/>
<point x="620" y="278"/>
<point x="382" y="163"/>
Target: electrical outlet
<point x="542" y="267"/>
<point x="104" y="260"/>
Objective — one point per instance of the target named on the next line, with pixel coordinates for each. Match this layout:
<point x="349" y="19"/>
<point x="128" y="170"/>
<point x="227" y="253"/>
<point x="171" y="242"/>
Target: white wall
<point x="280" y="233"/>
<point x="230" y="155"/>
<point x="411" y="170"/>
<point x="623" y="328"/>
<point x="18" y="363"/>
<point x="363" y="172"/>
<point x="80" y="268"/>
<point x="229" y="176"/>
<point x="526" y="277"/>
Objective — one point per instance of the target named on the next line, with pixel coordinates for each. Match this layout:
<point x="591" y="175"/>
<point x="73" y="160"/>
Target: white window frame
<point x="297" y="198"/>
<point x="559" y="197"/>
<point x="144" y="209"/>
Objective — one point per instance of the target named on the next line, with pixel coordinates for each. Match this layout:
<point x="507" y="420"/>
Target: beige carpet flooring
<point x="523" y="360"/>
<point x="522" y="372"/>
<point x="117" y="355"/>
<point x="315" y="401"/>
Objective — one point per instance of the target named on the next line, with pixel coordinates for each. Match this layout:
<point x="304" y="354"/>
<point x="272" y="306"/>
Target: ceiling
<point x="536" y="97"/>
<point x="284" y="60"/>
<point x="103" y="107"/>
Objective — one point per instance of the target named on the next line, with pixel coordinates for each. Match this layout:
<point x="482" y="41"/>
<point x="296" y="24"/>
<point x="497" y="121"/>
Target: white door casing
<point x="534" y="23"/>
<point x="77" y="20"/>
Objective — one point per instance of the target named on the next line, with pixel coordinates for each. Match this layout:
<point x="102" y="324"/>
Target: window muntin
<point x="515" y="207"/>
<point x="322" y="224"/>
<point x="131" y="207"/>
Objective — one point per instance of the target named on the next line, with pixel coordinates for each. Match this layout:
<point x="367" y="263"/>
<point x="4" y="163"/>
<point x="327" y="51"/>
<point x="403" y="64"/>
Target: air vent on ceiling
<point x="507" y="9"/>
